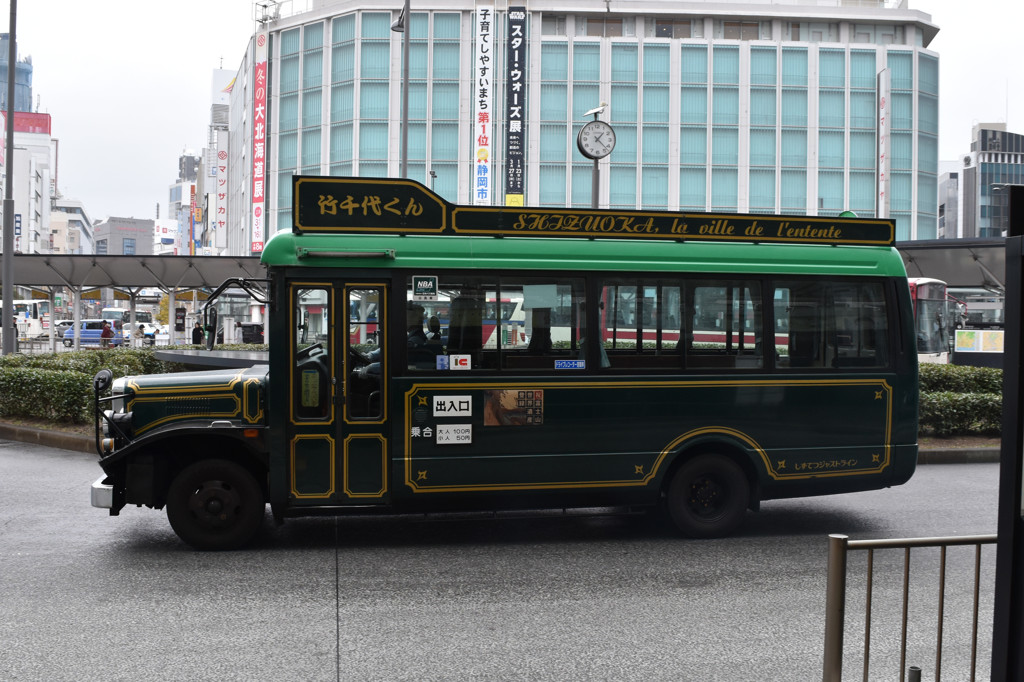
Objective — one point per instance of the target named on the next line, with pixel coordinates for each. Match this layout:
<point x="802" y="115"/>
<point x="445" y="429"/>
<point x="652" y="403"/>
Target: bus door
<point x="338" y="440"/>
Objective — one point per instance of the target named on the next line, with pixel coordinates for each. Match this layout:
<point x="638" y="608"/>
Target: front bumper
<point x="102" y="495"/>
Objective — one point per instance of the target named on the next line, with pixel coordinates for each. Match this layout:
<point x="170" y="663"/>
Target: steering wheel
<point x="357" y="358"/>
<point x="307" y="351"/>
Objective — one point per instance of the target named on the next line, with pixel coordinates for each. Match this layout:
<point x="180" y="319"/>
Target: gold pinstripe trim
<point x="291" y="456"/>
<point x="383" y="464"/>
<point x="668" y="448"/>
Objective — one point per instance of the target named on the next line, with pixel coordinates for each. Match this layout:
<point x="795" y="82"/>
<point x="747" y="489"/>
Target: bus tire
<point x="708" y="496"/>
<point x="215" y="504"/>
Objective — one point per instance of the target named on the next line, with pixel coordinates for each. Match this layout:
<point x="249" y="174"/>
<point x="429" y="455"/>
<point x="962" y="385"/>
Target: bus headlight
<point x="121" y="420"/>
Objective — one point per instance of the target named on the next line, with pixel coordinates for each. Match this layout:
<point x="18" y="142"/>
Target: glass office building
<point x="996" y="161"/>
<point x="760" y="107"/>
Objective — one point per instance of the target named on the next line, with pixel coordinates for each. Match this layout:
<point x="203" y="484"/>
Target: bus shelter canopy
<point x="958" y="262"/>
<point x="165" y="272"/>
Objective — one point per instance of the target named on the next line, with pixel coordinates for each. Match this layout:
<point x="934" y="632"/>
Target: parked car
<point x="251" y="332"/>
<point x="89" y="333"/>
<point x="61" y="326"/>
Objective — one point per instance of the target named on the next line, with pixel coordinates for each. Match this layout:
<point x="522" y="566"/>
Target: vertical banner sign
<point x="219" y="220"/>
<point x="259" y="142"/>
<point x="882" y="181"/>
<point x="192" y="220"/>
<point x="515" y="105"/>
<point x="482" y="118"/>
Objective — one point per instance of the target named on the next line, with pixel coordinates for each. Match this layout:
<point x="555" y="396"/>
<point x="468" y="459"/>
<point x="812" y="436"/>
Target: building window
<point x="127" y="246"/>
<point x="101" y="247"/>
<point x="670" y="29"/>
<point x="552" y="25"/>
<point x="742" y="30"/>
<point x="605" y="28"/>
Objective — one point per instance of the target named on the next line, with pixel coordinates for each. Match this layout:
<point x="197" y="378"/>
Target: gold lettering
<point x="718" y="227"/>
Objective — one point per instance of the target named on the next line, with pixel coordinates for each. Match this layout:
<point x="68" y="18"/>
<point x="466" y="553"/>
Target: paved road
<point x="87" y="597"/>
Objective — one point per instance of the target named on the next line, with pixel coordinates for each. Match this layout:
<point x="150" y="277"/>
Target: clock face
<point x="596" y="140"/>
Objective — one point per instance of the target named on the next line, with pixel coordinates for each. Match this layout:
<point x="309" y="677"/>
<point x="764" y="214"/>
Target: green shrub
<point x="55" y="395"/>
<point x="947" y="413"/>
<point x="960" y="379"/>
<point x="58" y="386"/>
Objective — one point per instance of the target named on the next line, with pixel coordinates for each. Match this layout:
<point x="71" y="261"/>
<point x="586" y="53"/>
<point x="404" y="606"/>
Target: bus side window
<point x="725" y="325"/>
<point x="465" y="332"/>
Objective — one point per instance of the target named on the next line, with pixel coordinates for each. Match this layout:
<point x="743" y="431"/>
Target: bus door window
<point x="364" y="353"/>
<point x="312" y="383"/>
<point x="725" y="319"/>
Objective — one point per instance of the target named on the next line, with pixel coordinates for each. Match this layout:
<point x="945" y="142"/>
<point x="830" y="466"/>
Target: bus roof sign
<point x="400" y="206"/>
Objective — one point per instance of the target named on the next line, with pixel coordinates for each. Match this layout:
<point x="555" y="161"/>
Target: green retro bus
<point x="430" y="357"/>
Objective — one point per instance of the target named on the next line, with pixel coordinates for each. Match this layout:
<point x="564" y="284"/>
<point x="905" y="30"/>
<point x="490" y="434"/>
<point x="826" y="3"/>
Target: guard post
<point x="1008" y="617"/>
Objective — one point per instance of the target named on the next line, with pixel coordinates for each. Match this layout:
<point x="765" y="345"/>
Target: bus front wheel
<point x="215" y="504"/>
<point x="708" y="496"/>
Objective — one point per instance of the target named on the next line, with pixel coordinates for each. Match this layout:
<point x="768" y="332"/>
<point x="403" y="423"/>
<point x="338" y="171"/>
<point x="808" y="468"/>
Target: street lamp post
<point x="401" y="25"/>
<point x="7" y="260"/>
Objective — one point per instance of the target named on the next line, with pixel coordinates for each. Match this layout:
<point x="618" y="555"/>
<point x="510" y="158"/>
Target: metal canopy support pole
<point x="53" y="319"/>
<point x="77" y="298"/>
<point x="7" y="260"/>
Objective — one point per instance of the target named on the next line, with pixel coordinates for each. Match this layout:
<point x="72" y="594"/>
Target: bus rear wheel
<point x="215" y="504"/>
<point x="708" y="496"/>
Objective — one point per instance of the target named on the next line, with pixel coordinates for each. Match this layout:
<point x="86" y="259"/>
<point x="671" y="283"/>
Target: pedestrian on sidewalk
<point x="106" y="335"/>
<point x="139" y="335"/>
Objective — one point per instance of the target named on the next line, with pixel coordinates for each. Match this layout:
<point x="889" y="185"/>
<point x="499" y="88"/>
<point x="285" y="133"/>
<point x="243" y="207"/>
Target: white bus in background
<point x="124" y="314"/>
<point x="32" y="316"/>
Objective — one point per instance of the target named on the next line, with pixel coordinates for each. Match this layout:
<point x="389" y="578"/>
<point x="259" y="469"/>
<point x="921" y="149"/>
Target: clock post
<point x="596" y="140"/>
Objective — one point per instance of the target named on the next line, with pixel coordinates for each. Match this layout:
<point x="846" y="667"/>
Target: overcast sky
<point x="127" y="84"/>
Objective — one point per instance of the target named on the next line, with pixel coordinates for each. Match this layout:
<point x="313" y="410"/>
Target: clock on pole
<point x="596" y="140"/>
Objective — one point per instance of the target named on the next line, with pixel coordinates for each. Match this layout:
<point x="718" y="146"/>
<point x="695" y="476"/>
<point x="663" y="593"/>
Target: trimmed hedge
<point x="958" y="400"/>
<point x="960" y="379"/>
<point x="56" y="395"/>
<point x="947" y="413"/>
<point x="58" y="386"/>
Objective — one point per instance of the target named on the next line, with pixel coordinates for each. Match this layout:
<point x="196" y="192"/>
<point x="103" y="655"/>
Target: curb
<point x="53" y="439"/>
<point x="958" y="456"/>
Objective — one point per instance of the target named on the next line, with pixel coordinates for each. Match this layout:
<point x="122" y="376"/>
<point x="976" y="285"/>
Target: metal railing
<point x="835" y="599"/>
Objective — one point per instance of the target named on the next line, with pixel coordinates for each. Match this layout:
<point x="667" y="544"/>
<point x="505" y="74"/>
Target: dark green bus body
<point x="610" y="437"/>
<point x="599" y="425"/>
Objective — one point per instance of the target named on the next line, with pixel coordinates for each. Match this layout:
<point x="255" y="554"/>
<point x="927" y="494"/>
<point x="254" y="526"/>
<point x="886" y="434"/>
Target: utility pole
<point x="7" y="262"/>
